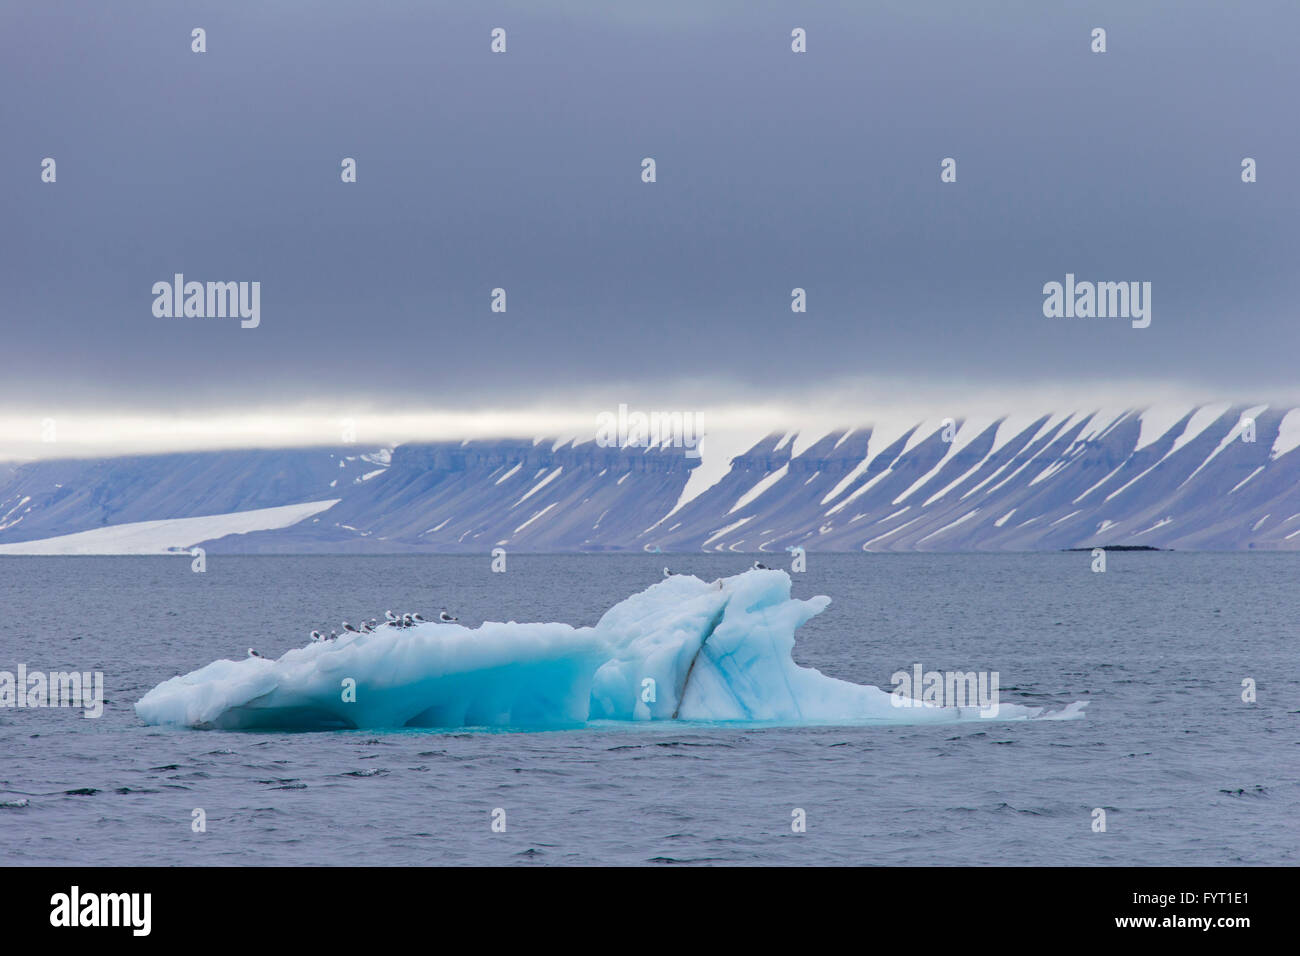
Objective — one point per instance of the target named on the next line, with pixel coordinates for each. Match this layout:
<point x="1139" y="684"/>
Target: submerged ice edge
<point x="683" y="649"/>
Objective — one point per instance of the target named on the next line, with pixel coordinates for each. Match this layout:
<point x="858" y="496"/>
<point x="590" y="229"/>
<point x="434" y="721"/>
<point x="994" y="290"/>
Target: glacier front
<point x="683" y="649"/>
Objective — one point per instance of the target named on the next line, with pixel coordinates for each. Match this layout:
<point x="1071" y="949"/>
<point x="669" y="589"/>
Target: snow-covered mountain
<point x="106" y="497"/>
<point x="1208" y="477"/>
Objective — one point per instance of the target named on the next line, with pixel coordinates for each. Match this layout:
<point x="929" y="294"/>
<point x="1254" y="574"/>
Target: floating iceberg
<point x="683" y="649"/>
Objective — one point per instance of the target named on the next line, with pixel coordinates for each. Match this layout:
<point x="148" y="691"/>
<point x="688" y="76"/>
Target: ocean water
<point x="1185" y="770"/>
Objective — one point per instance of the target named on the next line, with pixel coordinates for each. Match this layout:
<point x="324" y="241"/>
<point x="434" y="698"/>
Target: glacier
<point x="168" y="534"/>
<point x="683" y="649"/>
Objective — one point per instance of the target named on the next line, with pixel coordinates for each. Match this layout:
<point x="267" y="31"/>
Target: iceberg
<point x="683" y="649"/>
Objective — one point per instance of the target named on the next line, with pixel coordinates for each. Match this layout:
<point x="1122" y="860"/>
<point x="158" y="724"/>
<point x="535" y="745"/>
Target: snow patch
<point x="508" y="473"/>
<point x="535" y="517"/>
<point x="1234" y="433"/>
<point x="1288" y="435"/>
<point x="539" y="486"/>
<point x="761" y="486"/>
<point x="156" y="537"/>
<point x="953" y="524"/>
<point x="1155" y="422"/>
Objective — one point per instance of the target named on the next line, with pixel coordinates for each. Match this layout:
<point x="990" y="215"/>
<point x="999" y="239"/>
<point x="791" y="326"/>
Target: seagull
<point x="253" y="653"/>
<point x="392" y="620"/>
<point x="334" y="636"/>
<point x="761" y="567"/>
<point x="446" y="618"/>
<point x="372" y="624"/>
<point x="349" y="627"/>
<point x="406" y="620"/>
<point x="668" y="574"/>
<point x="417" y="618"/>
<point x="317" y="636"/>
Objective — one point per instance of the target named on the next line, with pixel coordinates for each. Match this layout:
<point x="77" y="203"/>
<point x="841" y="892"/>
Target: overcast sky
<point x="523" y="171"/>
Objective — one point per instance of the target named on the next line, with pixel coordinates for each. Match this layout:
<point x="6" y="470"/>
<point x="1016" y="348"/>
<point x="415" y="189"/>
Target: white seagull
<point x="446" y="618"/>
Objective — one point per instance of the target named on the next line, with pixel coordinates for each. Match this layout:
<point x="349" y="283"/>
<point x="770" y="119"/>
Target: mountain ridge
<point x="1207" y="477"/>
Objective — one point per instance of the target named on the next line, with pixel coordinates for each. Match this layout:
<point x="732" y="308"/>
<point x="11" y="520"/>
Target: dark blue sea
<point x="1160" y="644"/>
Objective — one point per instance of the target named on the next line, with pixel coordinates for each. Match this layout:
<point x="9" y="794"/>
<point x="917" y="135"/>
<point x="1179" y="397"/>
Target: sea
<point x="1189" y="753"/>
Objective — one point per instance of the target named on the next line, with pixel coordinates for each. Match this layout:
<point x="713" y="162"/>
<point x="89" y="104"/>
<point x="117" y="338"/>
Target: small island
<point x="1119" y="547"/>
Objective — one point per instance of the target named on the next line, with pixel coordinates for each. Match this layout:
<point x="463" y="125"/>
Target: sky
<point x="522" y="170"/>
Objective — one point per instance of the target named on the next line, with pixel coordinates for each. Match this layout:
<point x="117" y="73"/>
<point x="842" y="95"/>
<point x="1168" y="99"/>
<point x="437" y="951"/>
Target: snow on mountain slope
<point x="158" y="537"/>
<point x="1182" y="477"/>
<point x="71" y="495"/>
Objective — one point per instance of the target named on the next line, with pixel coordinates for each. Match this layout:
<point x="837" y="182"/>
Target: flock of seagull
<point x="758" y="566"/>
<point x="390" y="620"/>
<point x="410" y="620"/>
